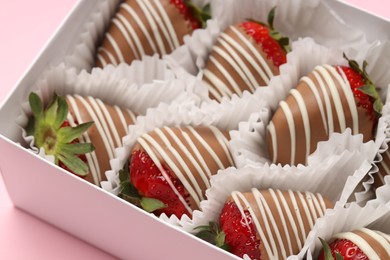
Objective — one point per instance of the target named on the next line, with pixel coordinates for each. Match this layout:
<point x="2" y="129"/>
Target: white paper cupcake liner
<point x="375" y="215"/>
<point x="143" y="85"/>
<point x="225" y="116"/>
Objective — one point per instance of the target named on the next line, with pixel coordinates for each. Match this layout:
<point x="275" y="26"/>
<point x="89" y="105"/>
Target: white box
<point x="75" y="206"/>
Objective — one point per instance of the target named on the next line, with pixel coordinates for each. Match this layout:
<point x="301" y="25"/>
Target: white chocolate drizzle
<point x="176" y="148"/>
<point x="107" y="130"/>
<point x="161" y="31"/>
<point x="237" y="53"/>
<point x="276" y="237"/>
<point x="331" y="90"/>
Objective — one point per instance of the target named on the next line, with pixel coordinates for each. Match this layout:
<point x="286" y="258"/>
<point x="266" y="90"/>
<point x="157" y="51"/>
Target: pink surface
<point x="25" y="27"/>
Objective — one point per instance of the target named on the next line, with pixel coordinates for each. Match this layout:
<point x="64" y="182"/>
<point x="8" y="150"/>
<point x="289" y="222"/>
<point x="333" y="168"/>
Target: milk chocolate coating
<point x="280" y="217"/>
<point x="203" y="150"/>
<point x="237" y="60"/>
<point x="110" y="125"/>
<point x="374" y="244"/>
<point x="321" y="104"/>
<point x="142" y="27"/>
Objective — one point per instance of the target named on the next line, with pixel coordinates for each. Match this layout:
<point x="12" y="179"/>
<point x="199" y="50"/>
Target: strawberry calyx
<point x="327" y="252"/>
<point x="368" y="88"/>
<point x="129" y="193"/>
<point x="212" y="234"/>
<point x="51" y="132"/>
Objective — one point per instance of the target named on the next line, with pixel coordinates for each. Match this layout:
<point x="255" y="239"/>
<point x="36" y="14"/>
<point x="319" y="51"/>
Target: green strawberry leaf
<point x="201" y="14"/>
<point x="212" y="234"/>
<point x="77" y="148"/>
<point x="327" y="252"/>
<point x="339" y="256"/>
<point x="73" y="163"/>
<point x="271" y="17"/>
<point x="36" y="105"/>
<point x="62" y="112"/>
<point x="151" y="204"/>
<point x="68" y="134"/>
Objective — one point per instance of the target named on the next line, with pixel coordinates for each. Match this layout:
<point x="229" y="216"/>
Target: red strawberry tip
<point x="368" y="88"/>
<point x="129" y="193"/>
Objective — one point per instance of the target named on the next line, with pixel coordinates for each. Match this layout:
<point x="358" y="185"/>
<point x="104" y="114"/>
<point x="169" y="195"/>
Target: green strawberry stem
<point x="201" y="14"/>
<point x="368" y="88"/>
<point x="46" y="125"/>
<point x="129" y="193"/>
<point x="212" y="234"/>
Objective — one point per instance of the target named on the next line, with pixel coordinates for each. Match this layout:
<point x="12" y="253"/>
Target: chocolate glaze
<point x="291" y="138"/>
<point x="133" y="43"/>
<point x="110" y="125"/>
<point x="200" y="156"/>
<point x="280" y="217"/>
<point x="235" y="47"/>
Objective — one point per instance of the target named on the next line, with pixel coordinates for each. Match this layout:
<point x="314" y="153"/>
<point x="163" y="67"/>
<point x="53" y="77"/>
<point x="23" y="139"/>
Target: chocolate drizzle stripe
<point x="153" y="25"/>
<point x="192" y="159"/>
<point x="100" y="124"/>
<point x="306" y="209"/>
<point x="218" y="83"/>
<point x="275" y="246"/>
<point x="305" y="117"/>
<point x="114" y="45"/>
<point x="101" y="59"/>
<point x="387" y="237"/>
<point x="193" y="185"/>
<point x="197" y="154"/>
<point x="155" y="159"/>
<point x="122" y="119"/>
<point x="317" y="96"/>
<point x="291" y="127"/>
<point x="247" y="76"/>
<point x="272" y="131"/>
<point x="291" y="221"/>
<point x="92" y="160"/>
<point x="134" y="36"/>
<point x="109" y="55"/>
<point x="160" y="23"/>
<point x="335" y="96"/>
<point x="212" y="90"/>
<point x="135" y="17"/>
<point x="126" y="35"/>
<point x="207" y="146"/>
<point x="256" y="53"/>
<point x="232" y="63"/>
<point x="383" y="241"/>
<point x="168" y="23"/>
<point x="246" y="55"/>
<point x="107" y="117"/>
<point x="227" y="75"/>
<point x="223" y="142"/>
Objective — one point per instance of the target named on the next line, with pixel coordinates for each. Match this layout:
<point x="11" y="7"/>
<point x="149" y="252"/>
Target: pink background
<point x="25" y="26"/>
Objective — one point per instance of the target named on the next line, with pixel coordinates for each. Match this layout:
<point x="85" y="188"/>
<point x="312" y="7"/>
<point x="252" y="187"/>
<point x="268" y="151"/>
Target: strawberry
<point x="53" y="133"/>
<point x="170" y="167"/>
<point x="147" y="27"/>
<point x="256" y="224"/>
<point x="359" y="244"/>
<point x="245" y="56"/>
<point x="329" y="99"/>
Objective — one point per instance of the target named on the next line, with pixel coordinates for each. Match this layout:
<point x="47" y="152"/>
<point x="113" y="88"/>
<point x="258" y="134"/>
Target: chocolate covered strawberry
<point x="362" y="244"/>
<point x="146" y="27"/>
<point x="245" y="56"/>
<point x="266" y="224"/>
<point x="170" y="168"/>
<point x="329" y="99"/>
<point x="80" y="132"/>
